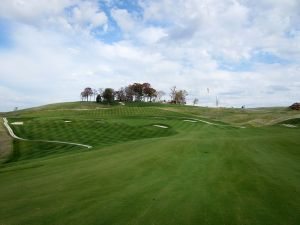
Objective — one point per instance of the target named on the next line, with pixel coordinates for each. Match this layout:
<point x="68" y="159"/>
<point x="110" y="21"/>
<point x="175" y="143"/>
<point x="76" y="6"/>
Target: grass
<point x="5" y="143"/>
<point x="190" y="173"/>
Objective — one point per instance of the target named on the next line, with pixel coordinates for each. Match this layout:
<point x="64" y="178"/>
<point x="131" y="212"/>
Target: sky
<point x="246" y="52"/>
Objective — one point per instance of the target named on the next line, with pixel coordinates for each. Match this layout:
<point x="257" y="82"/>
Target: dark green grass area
<point x="189" y="173"/>
<point x="25" y="150"/>
<point x="97" y="133"/>
<point x="291" y="121"/>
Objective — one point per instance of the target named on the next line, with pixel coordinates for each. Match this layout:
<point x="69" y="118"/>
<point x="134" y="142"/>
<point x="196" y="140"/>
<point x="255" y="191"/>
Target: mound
<point x="295" y="106"/>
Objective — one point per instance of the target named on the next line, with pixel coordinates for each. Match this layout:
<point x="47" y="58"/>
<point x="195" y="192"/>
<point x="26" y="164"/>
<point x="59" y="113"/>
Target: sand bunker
<point x="17" y="123"/>
<point x="289" y="125"/>
<point x="67" y="121"/>
<point x="191" y="121"/>
<point x="160" y="126"/>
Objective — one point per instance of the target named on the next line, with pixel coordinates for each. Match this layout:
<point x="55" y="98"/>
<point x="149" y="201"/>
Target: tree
<point x="180" y="96"/>
<point x="150" y="93"/>
<point x="121" y="94"/>
<point x="82" y="95"/>
<point x="195" y="101"/>
<point x="129" y="93"/>
<point x="108" y="95"/>
<point x="137" y="89"/>
<point x="95" y="93"/>
<point x="173" y="94"/>
<point x="99" y="98"/>
<point x="159" y="95"/>
<point x="100" y="91"/>
<point x="87" y="92"/>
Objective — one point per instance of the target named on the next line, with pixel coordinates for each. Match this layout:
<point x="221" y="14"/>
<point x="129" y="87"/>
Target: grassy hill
<point x="151" y="164"/>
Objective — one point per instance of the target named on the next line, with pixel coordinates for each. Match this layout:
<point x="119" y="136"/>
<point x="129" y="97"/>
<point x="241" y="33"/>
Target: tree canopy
<point x="133" y="92"/>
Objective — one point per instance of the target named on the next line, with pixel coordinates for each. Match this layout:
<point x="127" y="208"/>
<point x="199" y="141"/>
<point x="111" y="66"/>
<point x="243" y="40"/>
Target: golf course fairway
<point x="151" y="164"/>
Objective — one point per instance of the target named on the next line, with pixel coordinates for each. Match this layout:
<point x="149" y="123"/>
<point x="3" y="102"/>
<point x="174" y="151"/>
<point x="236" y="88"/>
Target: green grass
<point x="5" y="143"/>
<point x="190" y="173"/>
<point x="291" y="121"/>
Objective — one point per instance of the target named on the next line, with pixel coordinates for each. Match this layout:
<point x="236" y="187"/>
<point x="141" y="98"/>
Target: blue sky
<point x="245" y="52"/>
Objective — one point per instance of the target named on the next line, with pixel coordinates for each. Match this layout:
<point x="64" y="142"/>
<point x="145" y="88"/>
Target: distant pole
<point x="217" y="101"/>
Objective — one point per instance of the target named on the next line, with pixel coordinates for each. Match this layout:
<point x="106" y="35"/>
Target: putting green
<point x="138" y="173"/>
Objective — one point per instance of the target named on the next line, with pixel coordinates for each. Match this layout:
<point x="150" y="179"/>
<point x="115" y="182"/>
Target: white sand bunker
<point x="17" y="123"/>
<point x="160" y="126"/>
<point x="191" y="121"/>
<point x="289" y="125"/>
<point x="68" y="121"/>
<point x="121" y="103"/>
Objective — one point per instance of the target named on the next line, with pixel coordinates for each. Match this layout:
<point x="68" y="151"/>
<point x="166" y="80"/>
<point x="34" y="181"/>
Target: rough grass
<point x="5" y="143"/>
<point x="190" y="173"/>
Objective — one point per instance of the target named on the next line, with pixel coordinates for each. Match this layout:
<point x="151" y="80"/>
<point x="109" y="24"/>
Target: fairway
<point x="151" y="164"/>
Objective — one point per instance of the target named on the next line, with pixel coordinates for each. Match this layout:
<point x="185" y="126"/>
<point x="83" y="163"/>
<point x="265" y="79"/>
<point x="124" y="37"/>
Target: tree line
<point x="133" y="92"/>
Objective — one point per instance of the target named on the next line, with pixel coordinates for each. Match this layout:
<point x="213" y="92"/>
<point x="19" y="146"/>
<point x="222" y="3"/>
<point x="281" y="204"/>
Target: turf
<point x="189" y="173"/>
<point x="5" y="143"/>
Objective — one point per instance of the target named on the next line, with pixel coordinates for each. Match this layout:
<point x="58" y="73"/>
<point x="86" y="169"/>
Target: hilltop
<point x="252" y="116"/>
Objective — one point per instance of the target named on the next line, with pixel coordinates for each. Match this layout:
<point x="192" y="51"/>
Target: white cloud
<point x="151" y="35"/>
<point x="88" y="12"/>
<point x="32" y="10"/>
<point x="54" y="54"/>
<point x="85" y="16"/>
<point x="229" y="29"/>
<point x="123" y="19"/>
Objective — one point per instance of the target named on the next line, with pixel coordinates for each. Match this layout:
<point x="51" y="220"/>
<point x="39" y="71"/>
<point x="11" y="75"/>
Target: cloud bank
<point x="245" y="52"/>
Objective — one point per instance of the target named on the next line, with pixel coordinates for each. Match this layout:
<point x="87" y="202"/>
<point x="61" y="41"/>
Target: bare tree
<point x="173" y="94"/>
<point x="160" y="94"/>
<point x="195" y="101"/>
<point x="100" y="91"/>
<point x="82" y="96"/>
<point x="95" y="93"/>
